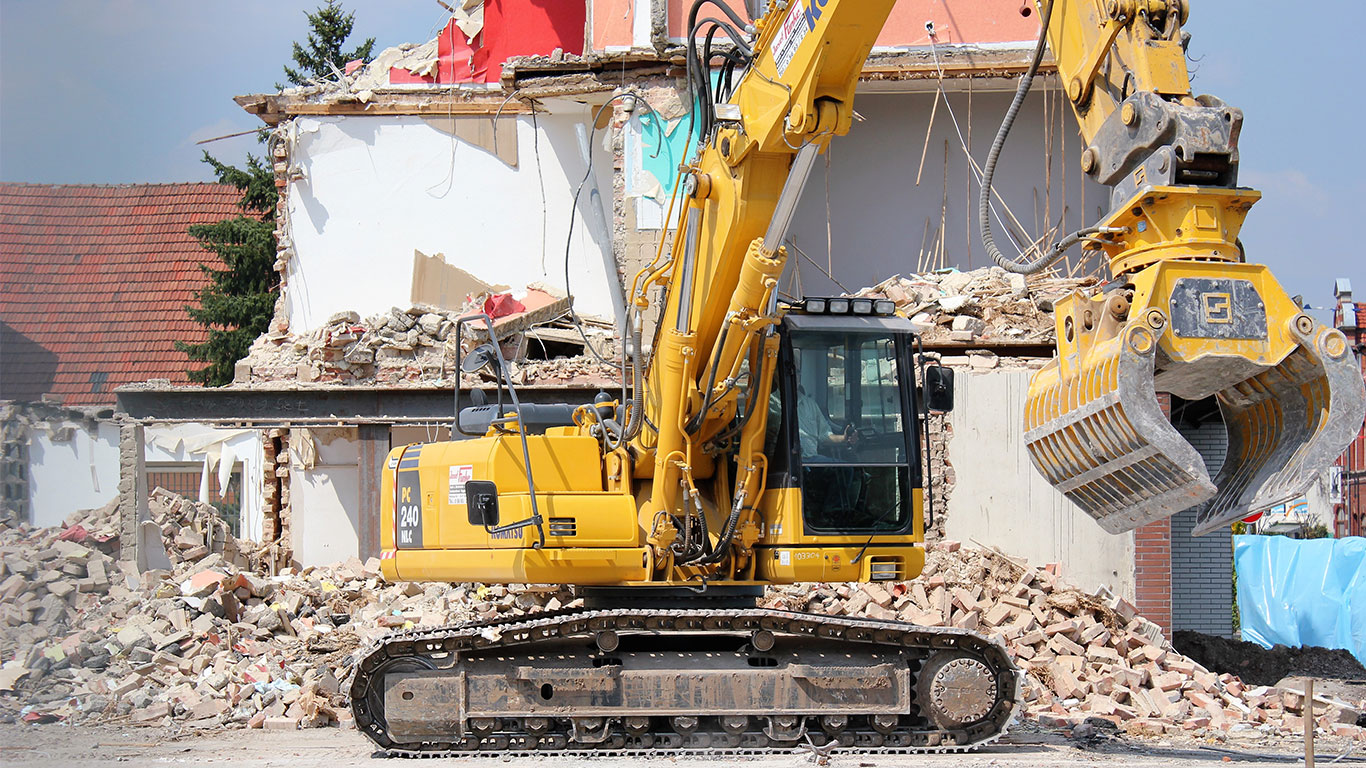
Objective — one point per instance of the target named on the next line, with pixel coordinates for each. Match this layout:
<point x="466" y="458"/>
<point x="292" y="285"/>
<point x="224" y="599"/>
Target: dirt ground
<point x="1335" y="672"/>
<point x="1265" y="666"/>
<point x="57" y="746"/>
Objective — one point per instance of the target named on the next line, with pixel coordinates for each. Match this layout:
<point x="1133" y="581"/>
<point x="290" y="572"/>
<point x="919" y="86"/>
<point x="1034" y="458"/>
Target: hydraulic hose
<point x="1056" y="251"/>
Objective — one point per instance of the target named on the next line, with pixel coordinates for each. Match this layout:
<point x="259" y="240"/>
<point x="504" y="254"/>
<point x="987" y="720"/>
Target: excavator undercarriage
<point x="681" y="680"/>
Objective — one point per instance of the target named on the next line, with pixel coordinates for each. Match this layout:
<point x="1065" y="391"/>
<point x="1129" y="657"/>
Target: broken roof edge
<point x="531" y="77"/>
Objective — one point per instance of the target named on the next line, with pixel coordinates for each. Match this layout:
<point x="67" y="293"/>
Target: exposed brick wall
<point x="1153" y="563"/>
<point x="1153" y="572"/>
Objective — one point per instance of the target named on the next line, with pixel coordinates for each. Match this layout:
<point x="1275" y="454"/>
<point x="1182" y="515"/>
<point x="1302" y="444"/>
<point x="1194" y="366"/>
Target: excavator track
<point x="724" y="681"/>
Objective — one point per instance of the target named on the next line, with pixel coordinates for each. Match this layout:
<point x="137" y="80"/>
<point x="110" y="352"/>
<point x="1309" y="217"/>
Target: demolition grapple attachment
<point x="1289" y="389"/>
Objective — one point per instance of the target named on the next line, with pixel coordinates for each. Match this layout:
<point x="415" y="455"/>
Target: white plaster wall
<point x="325" y="501"/>
<point x="74" y="474"/>
<point x="999" y="499"/>
<point x="374" y="189"/>
<point x="82" y="472"/>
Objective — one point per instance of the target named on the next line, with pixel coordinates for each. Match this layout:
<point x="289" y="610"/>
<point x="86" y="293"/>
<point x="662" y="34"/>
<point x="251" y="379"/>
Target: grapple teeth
<point x="1284" y="426"/>
<point x="1102" y="439"/>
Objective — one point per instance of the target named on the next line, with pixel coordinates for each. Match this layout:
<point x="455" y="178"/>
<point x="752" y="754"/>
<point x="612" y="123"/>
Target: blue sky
<point x="120" y="91"/>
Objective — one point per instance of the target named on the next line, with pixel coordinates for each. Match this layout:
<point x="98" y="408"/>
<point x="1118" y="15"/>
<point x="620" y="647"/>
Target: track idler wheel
<point x="955" y="690"/>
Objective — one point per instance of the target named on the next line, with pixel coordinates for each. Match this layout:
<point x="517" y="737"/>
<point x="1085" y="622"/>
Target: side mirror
<point x="481" y="500"/>
<point x="938" y="389"/>
<point x="479" y="357"/>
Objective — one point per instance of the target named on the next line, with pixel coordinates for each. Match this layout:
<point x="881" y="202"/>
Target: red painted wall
<point x="511" y="28"/>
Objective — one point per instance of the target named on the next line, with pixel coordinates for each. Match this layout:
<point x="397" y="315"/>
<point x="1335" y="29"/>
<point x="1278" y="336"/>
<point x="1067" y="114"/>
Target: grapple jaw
<point x="1101" y="437"/>
<point x="1286" y="425"/>
<point x="1289" y="389"/>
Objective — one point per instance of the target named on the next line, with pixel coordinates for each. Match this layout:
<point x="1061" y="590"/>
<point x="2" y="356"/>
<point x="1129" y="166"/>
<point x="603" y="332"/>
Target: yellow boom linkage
<point x="1183" y="314"/>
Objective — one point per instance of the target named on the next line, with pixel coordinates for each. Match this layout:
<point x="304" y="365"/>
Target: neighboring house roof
<point x="93" y="285"/>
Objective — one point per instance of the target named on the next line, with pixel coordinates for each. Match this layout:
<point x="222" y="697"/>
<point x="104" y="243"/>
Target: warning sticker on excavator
<point x="459" y="475"/>
<point x="800" y="21"/>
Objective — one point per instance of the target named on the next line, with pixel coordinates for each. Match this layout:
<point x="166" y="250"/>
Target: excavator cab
<point x="843" y="424"/>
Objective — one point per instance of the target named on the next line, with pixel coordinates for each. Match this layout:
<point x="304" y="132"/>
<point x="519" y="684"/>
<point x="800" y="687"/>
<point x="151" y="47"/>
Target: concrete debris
<point x="217" y="640"/>
<point x="985" y="305"/>
<point x="226" y="638"/>
<point x="1085" y="655"/>
<point x="417" y="346"/>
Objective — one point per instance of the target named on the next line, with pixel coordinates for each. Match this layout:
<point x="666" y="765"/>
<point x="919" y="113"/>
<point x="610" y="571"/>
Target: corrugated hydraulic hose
<point x="989" y="169"/>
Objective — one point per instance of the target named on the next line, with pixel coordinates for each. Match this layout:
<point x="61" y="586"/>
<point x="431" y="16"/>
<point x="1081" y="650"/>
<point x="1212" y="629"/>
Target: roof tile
<point x="95" y="279"/>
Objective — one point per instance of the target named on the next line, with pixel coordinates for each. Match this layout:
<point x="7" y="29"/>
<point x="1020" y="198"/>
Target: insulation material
<point x="655" y="148"/>
<point x="444" y="285"/>
<point x="469" y="17"/>
<point x="1302" y="592"/>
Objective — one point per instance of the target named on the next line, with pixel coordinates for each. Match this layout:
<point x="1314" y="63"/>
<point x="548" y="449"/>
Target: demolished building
<point x="529" y="152"/>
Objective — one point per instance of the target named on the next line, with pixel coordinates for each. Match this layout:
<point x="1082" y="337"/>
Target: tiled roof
<point x="93" y="285"/>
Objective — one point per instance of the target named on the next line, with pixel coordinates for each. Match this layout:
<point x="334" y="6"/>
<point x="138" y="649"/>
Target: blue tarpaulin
<point x="1299" y="592"/>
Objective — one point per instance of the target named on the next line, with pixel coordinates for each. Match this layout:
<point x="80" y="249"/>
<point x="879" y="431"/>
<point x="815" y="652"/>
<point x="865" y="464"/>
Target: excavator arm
<point x="756" y="150"/>
<point x="1184" y="313"/>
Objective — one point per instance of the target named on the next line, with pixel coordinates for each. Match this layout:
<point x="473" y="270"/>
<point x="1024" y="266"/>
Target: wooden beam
<point x="374" y="448"/>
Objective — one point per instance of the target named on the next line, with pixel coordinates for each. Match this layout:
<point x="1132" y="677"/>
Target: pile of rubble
<point x="1085" y="655"/>
<point x="217" y="639"/>
<point x="418" y="346"/>
<point x="988" y="304"/>
<point x="214" y="640"/>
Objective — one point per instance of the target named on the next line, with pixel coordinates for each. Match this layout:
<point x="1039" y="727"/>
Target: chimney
<point x="1346" y="308"/>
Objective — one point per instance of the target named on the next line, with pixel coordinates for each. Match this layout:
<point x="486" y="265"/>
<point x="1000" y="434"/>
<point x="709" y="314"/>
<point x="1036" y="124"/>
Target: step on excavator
<point x="763" y="442"/>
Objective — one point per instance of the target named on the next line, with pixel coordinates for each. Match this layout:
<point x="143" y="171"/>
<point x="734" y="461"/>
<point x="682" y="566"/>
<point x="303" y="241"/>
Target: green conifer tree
<point x="239" y="301"/>
<point x="237" y="304"/>
<point x="330" y="25"/>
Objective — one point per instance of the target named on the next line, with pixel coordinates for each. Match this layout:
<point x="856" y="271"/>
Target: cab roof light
<point x="816" y="306"/>
<point x="862" y="306"/>
<point x="839" y="306"/>
<point x="884" y="307"/>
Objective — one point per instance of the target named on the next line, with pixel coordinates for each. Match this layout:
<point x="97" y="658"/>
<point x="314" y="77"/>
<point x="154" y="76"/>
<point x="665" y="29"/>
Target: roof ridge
<point x="134" y="185"/>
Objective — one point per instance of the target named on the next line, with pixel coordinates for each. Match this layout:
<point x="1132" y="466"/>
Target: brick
<point x="280" y="723"/>
<point x="1062" y="645"/>
<point x="152" y="712"/>
<point x="1168" y="681"/>
<point x="1065" y="684"/>
<point x="997" y="615"/>
<point x="1062" y="627"/>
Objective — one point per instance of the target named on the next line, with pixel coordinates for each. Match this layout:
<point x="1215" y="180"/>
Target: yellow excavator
<point x="762" y="442"/>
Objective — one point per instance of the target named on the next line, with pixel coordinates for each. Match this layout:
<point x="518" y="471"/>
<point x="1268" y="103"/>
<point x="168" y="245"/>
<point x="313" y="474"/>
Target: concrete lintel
<point x="264" y="408"/>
